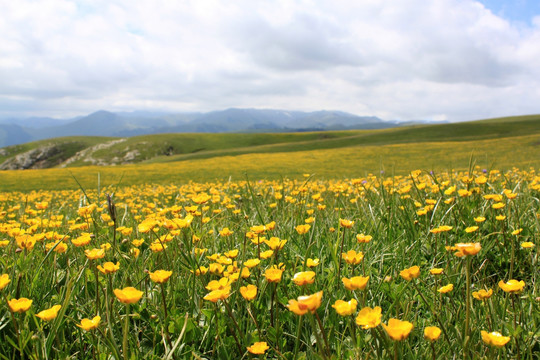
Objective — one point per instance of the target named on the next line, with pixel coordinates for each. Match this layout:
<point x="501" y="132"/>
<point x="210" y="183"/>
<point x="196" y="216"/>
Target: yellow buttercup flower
<point x="87" y="324"/>
<point x="160" y="276"/>
<point x="275" y="243"/>
<point x="303" y="304"/>
<point x="436" y="271"/>
<point x="355" y="283"/>
<point x="369" y="318"/>
<point x="432" y="333"/>
<point x="494" y="338"/>
<point x="258" y="348"/>
<point x="19" y="305"/>
<point x="251" y="263"/>
<point x="397" y="329"/>
<point x="527" y="245"/>
<point x="446" y="289"/>
<point x="482" y="294"/>
<point x="49" y="314"/>
<point x="304" y="278"/>
<point x="302" y="229"/>
<point x="273" y="274"/>
<point x="95" y="254"/>
<point x="310" y="263"/>
<point x="345" y="308"/>
<point x="4" y="281"/>
<point x="362" y="239"/>
<point x="467" y="249"/>
<point x="346" y="223"/>
<point x="352" y="257"/>
<point x="225" y="232"/>
<point x="411" y="273"/>
<point x="512" y="286"/>
<point x="248" y="292"/>
<point x="109" y="267"/>
<point x="128" y="295"/>
<point x="216" y="295"/>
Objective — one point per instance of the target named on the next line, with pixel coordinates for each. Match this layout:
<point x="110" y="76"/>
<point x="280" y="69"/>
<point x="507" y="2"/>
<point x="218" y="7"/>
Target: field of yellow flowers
<point x="427" y="265"/>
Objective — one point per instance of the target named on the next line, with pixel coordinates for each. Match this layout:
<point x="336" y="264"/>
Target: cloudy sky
<point x="408" y="59"/>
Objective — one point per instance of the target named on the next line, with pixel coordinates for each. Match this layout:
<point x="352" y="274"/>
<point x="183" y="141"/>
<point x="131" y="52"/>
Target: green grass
<point x="398" y="212"/>
<point x="181" y="147"/>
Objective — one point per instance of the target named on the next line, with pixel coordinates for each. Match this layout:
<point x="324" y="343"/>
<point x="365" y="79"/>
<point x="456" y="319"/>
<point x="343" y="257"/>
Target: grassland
<point x="496" y="143"/>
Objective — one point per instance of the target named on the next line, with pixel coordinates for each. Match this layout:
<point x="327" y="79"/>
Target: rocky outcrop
<point x="39" y="158"/>
<point x="86" y="154"/>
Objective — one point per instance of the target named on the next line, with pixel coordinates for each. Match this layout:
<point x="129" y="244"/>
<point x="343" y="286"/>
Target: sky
<point x="452" y="60"/>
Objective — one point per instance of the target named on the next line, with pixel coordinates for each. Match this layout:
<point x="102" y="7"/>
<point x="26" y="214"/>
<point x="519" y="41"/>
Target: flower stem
<point x="126" y="329"/>
<point x="467" y="307"/>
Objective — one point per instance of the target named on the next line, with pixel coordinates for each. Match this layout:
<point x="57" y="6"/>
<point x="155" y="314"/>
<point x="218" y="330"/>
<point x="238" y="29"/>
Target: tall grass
<point x="479" y="229"/>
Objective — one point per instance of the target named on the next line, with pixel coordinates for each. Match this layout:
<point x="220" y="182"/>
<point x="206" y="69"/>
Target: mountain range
<point x="125" y="124"/>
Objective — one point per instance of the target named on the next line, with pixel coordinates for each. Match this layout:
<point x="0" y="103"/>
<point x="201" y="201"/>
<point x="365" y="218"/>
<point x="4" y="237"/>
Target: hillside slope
<point x="81" y="151"/>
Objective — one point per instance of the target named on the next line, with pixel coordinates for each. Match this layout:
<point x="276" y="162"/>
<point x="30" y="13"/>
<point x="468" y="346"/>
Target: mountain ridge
<point x="126" y="124"/>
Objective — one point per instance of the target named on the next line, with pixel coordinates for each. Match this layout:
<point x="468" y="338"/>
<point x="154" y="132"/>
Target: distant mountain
<point x="126" y="124"/>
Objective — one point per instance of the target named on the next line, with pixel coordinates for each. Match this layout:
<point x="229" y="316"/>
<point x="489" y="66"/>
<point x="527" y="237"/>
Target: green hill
<point x="82" y="151"/>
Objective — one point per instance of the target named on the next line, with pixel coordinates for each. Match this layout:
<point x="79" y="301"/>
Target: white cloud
<point x="407" y="59"/>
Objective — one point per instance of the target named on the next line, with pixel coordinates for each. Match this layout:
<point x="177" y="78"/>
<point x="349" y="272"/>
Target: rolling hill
<point x="166" y="148"/>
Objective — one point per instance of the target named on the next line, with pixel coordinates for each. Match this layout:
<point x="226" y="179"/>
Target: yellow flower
<point x="305" y="303"/>
<point x="258" y="348"/>
<point x="266" y="254"/>
<point x="49" y="314"/>
<point x="369" y="318"/>
<point x="500" y="217"/>
<point x="109" y="267"/>
<point x="225" y="232"/>
<point x="498" y="205"/>
<point x="345" y="308"/>
<point x="304" y="278"/>
<point x="275" y="243"/>
<point x="218" y="284"/>
<point x="95" y="254"/>
<point x="436" y="271"/>
<point x="346" y="223"/>
<point x="432" y="333"/>
<point x="248" y="292"/>
<point x="273" y="274"/>
<point x="512" y="286"/>
<point x="527" y="245"/>
<point x="19" y="305"/>
<point x="397" y="329"/>
<point x="355" y="283"/>
<point x="362" y="239"/>
<point x="471" y="229"/>
<point x="251" y="263"/>
<point x="4" y="281"/>
<point x="216" y="295"/>
<point x="479" y="219"/>
<point x="128" y="295"/>
<point x="465" y="249"/>
<point x="494" y="338"/>
<point x="135" y="252"/>
<point x="87" y="324"/>
<point x="410" y="273"/>
<point x="446" y="289"/>
<point x="517" y="231"/>
<point x="302" y="229"/>
<point x="160" y="276"/>
<point x="440" y="229"/>
<point x="231" y="254"/>
<point x="82" y="240"/>
<point x="482" y="294"/>
<point x="310" y="263"/>
<point x="157" y="246"/>
<point x="352" y="257"/>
